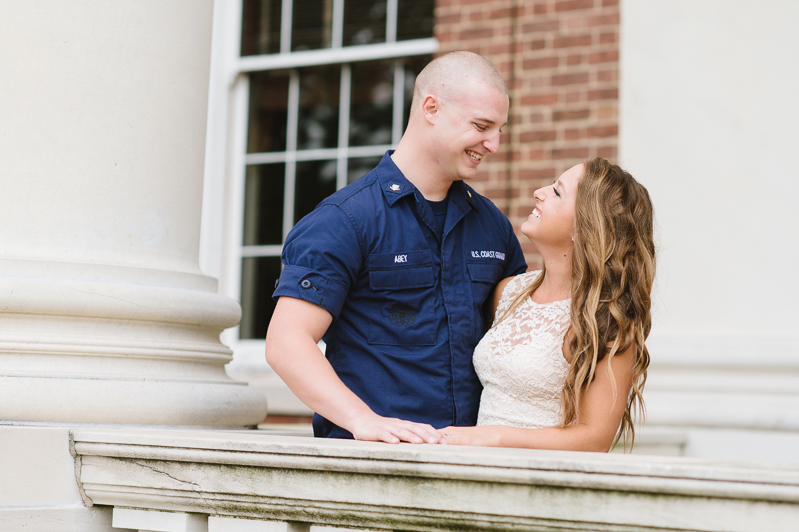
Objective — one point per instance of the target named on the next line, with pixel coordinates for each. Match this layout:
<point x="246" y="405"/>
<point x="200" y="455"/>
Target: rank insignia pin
<point x="394" y="187"/>
<point x="469" y="193"/>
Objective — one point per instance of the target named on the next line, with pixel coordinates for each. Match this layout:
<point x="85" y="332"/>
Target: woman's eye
<point x="556" y="191"/>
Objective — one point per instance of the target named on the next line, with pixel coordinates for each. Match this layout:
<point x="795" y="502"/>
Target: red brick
<point x="570" y="114"/>
<point x="570" y="153"/>
<point x="536" y="118"/>
<point x="540" y="99"/>
<point x="610" y="74"/>
<point x="536" y="45"/>
<point x="570" y="79"/>
<point x="575" y="59"/>
<point x="548" y="26"/>
<point x="608" y="152"/>
<point x="606" y="112"/>
<point x="608" y="37"/>
<point x="608" y="3"/>
<point x="604" y="57"/>
<point x="531" y="175"/>
<point x="449" y="19"/>
<point x="541" y="62"/>
<point x="573" y="97"/>
<point x="537" y="136"/>
<point x="603" y="131"/>
<point x="572" y="5"/>
<point x="603" y="94"/>
<point x="570" y="42"/>
<point x="609" y="19"/>
<point x="499" y="49"/>
<point x="573" y="134"/>
<point x="498" y="14"/>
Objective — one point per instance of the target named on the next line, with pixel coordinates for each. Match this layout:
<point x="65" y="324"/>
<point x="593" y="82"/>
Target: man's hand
<point x="392" y="430"/>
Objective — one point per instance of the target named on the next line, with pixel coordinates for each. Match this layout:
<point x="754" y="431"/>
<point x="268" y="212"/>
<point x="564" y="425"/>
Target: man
<point x="393" y="271"/>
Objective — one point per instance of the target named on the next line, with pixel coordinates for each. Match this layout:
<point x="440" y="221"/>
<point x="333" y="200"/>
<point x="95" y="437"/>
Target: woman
<point x="564" y="363"/>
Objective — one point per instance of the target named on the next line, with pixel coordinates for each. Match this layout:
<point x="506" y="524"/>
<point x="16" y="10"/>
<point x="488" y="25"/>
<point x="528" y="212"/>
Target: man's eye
<point x="556" y="191"/>
<point x="480" y="128"/>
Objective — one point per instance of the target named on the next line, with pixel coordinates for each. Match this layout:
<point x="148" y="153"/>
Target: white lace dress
<point x="520" y="361"/>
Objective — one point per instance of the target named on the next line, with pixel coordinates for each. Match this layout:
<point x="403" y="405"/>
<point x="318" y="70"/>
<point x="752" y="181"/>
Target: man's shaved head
<point x="445" y="76"/>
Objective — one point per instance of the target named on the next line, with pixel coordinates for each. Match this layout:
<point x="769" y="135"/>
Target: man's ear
<point x="430" y="108"/>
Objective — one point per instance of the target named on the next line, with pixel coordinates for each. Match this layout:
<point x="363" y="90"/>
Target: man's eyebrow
<point x="488" y="121"/>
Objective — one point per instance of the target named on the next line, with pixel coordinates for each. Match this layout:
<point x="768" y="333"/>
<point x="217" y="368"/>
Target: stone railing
<point x="214" y="481"/>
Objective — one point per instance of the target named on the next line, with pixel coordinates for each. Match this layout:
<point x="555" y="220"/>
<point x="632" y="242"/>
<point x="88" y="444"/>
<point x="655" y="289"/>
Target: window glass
<point x="258" y="276"/>
<point x="364" y="22"/>
<point x="360" y="166"/>
<point x="371" y="104"/>
<point x="312" y="24"/>
<point x="318" y="113"/>
<point x="315" y="181"/>
<point x="413" y="65"/>
<point x="263" y="204"/>
<point x="415" y="19"/>
<point x="260" y="27"/>
<point x="269" y="94"/>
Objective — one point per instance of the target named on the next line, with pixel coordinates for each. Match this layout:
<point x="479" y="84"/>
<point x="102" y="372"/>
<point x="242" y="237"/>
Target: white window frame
<point x="226" y="158"/>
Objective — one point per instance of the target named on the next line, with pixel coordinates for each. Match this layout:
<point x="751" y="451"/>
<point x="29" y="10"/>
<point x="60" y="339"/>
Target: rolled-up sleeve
<point x="321" y="259"/>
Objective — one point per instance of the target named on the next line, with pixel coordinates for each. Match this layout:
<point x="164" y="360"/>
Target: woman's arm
<point x="490" y="308"/>
<point x="601" y="412"/>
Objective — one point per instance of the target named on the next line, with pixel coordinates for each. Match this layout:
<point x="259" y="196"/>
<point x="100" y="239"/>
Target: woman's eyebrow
<point x="559" y="184"/>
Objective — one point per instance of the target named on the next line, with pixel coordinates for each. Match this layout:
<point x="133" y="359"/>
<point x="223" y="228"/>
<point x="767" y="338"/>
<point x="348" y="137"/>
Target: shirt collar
<point x="395" y="185"/>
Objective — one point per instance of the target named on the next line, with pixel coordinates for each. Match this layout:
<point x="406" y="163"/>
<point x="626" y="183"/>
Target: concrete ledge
<point x="408" y="487"/>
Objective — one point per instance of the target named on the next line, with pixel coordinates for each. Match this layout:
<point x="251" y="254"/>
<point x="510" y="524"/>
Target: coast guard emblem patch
<point x="401" y="315"/>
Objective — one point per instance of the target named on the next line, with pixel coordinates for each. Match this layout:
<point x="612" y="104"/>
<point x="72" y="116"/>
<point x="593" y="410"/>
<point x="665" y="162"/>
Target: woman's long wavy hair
<point x="613" y="268"/>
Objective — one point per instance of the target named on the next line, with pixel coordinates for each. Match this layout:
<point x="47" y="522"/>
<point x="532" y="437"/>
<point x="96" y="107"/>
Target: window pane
<point x="258" y="276"/>
<point x="263" y="204"/>
<point x="358" y="167"/>
<point x="269" y="95"/>
<point x="371" y="107"/>
<point x="413" y="65"/>
<point x="311" y="24"/>
<point x="260" y="27"/>
<point x="364" y="22"/>
<point x="415" y="19"/>
<point x="318" y="116"/>
<point x="315" y="181"/>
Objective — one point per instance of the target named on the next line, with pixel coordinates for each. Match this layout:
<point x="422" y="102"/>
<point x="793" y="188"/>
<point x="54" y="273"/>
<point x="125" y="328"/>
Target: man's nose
<point x="492" y="142"/>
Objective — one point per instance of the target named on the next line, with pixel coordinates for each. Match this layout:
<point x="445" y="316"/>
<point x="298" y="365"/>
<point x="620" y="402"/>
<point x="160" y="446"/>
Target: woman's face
<point x="552" y="221"/>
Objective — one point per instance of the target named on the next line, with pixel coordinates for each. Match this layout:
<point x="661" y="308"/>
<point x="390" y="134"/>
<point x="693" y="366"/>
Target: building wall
<point x="708" y="123"/>
<point x="560" y="61"/>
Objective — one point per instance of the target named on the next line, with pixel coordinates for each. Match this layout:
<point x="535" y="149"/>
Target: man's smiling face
<point x="468" y="128"/>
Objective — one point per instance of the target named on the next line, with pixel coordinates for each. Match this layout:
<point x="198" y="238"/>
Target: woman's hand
<point x="482" y="436"/>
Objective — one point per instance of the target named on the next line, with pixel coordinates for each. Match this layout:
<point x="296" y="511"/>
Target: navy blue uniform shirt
<point x="406" y="305"/>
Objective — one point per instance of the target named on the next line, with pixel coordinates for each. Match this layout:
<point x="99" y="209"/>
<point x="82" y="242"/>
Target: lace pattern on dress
<point x="520" y="361"/>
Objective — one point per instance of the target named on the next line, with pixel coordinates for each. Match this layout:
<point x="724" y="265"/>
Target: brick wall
<point x="560" y="60"/>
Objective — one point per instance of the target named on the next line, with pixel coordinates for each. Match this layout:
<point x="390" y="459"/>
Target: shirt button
<point x="305" y="283"/>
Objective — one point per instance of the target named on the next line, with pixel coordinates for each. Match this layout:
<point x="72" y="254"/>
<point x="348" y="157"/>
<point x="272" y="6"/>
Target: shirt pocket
<point x="404" y="299"/>
<point x="484" y="276"/>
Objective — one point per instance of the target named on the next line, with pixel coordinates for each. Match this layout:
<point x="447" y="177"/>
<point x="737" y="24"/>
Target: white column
<point x="106" y="317"/>
<point x="708" y="116"/>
